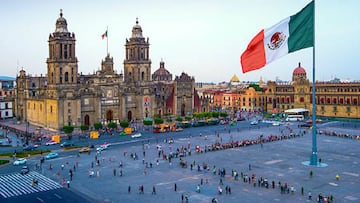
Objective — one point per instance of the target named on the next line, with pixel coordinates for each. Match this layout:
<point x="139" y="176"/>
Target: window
<point x="51" y="109"/>
<point x="301" y="99"/>
<point x="348" y="109"/>
<point x="322" y="108"/>
<point x="335" y="108"/>
<point x="66" y="77"/>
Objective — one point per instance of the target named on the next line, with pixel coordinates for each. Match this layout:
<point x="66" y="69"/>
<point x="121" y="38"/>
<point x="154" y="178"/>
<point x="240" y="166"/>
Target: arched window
<point x="334" y="101"/>
<point x="341" y="101"/>
<point x="302" y="99"/>
<point x="328" y="101"/>
<point x="142" y="76"/>
<point x="66" y="77"/>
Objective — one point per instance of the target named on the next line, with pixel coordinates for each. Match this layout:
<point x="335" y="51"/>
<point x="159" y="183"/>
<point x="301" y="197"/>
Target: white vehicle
<point x="253" y="123"/>
<point x="20" y="161"/>
<point x="295" y="118"/>
<point x="101" y="148"/>
<point x="276" y="123"/>
<point x="137" y="135"/>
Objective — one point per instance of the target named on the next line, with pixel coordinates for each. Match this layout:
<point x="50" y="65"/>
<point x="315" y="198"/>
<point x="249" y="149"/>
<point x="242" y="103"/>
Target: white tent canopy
<point x="296" y="111"/>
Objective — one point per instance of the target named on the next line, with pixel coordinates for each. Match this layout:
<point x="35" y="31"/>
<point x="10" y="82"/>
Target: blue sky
<point x="203" y="38"/>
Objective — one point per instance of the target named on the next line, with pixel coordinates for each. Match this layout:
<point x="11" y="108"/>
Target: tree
<point x="112" y="125"/>
<point x="147" y="122"/>
<point x="124" y="124"/>
<point x="84" y="127"/>
<point x="158" y="120"/>
<point x="68" y="129"/>
<point x="97" y="126"/>
<point x="223" y="114"/>
<point x="179" y="119"/>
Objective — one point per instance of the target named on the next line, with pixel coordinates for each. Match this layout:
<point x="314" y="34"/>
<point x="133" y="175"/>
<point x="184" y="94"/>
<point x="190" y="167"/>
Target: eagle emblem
<point x="276" y="40"/>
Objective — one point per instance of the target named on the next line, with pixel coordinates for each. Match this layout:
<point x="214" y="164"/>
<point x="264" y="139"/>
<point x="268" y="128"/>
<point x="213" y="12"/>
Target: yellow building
<point x="333" y="99"/>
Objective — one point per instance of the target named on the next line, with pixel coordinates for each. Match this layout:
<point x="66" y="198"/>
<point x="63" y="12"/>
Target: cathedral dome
<point x="136" y="30"/>
<point x="61" y="24"/>
<point x="299" y="70"/>
<point x="162" y="73"/>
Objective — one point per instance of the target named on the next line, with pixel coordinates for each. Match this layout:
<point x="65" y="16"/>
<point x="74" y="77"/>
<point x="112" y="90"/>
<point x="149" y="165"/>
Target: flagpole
<point x="314" y="155"/>
<point x="107" y="40"/>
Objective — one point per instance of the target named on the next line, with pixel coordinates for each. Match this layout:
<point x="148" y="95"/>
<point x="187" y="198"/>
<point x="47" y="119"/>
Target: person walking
<point x="129" y="189"/>
<point x="114" y="171"/>
<point x="175" y="187"/>
<point x="153" y="190"/>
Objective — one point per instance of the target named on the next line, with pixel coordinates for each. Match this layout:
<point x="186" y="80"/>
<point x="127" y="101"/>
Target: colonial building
<point x="7" y="97"/>
<point x="65" y="97"/>
<point x="333" y="99"/>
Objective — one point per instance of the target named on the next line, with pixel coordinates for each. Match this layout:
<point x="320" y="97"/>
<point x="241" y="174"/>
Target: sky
<point x="203" y="38"/>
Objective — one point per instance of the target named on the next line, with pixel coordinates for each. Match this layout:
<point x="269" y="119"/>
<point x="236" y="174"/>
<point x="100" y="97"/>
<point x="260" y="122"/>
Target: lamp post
<point x="27" y="132"/>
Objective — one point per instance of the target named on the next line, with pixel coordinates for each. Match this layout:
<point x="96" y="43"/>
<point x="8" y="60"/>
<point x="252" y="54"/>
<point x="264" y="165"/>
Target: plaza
<point x="279" y="161"/>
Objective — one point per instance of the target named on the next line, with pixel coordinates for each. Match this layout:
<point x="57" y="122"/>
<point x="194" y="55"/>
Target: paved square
<point x="278" y="161"/>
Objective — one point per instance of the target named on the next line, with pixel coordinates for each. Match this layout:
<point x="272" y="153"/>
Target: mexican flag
<point x="104" y="35"/>
<point x="289" y="35"/>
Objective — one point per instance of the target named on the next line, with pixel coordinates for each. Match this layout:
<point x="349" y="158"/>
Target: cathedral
<point x="66" y="97"/>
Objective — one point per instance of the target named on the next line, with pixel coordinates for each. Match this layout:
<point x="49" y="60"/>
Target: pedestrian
<point x="153" y="190"/>
<point x="309" y="194"/>
<point x="92" y="164"/>
<point x="302" y="190"/>
<point x="62" y="166"/>
<point x="175" y="187"/>
<point x="114" y="171"/>
<point x="68" y="183"/>
<point x="129" y="189"/>
<point x="249" y="167"/>
<point x="120" y="172"/>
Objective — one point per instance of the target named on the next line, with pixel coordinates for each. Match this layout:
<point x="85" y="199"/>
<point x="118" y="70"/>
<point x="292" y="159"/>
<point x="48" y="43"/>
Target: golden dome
<point x="234" y="78"/>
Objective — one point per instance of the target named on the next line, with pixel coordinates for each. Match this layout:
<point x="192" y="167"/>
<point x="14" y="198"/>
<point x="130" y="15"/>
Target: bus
<point x="295" y="118"/>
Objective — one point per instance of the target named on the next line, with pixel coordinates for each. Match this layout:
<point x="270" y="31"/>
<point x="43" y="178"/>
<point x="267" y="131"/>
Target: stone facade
<point x="333" y="99"/>
<point x="65" y="97"/>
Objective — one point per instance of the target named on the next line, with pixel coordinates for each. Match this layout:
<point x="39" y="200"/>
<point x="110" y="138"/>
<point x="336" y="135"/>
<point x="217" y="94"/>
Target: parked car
<point x="84" y="149"/>
<point x="51" y="155"/>
<point x="50" y="142"/>
<point x="136" y="135"/>
<point x="24" y="170"/>
<point x="29" y="148"/>
<point x="253" y="123"/>
<point x="66" y="144"/>
<point x="101" y="148"/>
<point x="106" y="144"/>
<point x="20" y="161"/>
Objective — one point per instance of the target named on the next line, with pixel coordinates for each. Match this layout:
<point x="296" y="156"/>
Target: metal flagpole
<point x="107" y="40"/>
<point x="314" y="156"/>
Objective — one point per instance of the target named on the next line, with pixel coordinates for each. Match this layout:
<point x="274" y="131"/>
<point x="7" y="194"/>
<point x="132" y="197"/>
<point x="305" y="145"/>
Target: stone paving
<point x="279" y="161"/>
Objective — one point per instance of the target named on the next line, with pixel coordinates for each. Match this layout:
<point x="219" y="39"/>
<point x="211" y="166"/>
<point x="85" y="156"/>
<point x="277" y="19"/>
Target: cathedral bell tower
<point x="137" y="65"/>
<point x="62" y="62"/>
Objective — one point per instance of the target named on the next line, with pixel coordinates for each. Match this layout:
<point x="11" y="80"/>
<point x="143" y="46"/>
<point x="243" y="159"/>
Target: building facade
<point x="65" y="97"/>
<point x="333" y="99"/>
<point x="7" y="97"/>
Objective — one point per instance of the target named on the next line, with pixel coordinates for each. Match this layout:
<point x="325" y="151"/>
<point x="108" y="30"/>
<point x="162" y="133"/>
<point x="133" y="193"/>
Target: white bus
<point x="295" y="118"/>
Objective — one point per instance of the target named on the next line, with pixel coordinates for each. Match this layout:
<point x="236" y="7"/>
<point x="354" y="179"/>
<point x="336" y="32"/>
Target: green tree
<point x="147" y="122"/>
<point x="169" y="120"/>
<point x="215" y="114"/>
<point x="179" y="119"/>
<point x="68" y="129"/>
<point x="158" y="120"/>
<point x="97" y="126"/>
<point x="84" y="127"/>
<point x="112" y="125"/>
<point x="223" y="114"/>
<point x="124" y="124"/>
